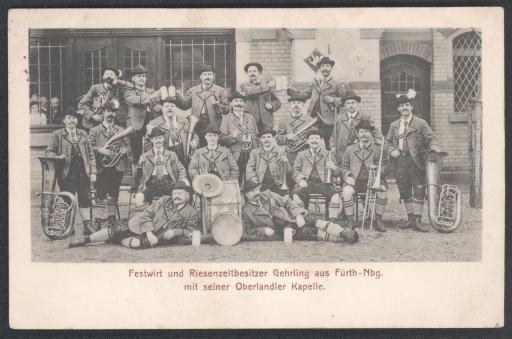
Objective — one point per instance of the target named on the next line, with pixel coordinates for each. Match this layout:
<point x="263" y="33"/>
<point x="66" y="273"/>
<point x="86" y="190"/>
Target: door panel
<point x="399" y="74"/>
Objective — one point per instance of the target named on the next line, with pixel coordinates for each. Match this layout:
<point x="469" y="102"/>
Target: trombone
<point x="373" y="185"/>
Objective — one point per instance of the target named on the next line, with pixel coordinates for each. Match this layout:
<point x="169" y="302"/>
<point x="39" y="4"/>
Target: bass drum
<point x="227" y="229"/>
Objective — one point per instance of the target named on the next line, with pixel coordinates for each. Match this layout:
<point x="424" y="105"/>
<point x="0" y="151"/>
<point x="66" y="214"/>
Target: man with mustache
<point x="288" y="127"/>
<point x="311" y="167"/>
<point x="261" y="101"/>
<point x="346" y="133"/>
<point x="168" y="220"/>
<point x="109" y="178"/>
<point x="207" y="101"/>
<point x="268" y="164"/>
<point x="77" y="168"/>
<point x="325" y="94"/>
<point x="409" y="137"/>
<point x="176" y="128"/>
<point x="355" y="167"/>
<point x="239" y="132"/>
<point x="90" y="106"/>
<point x="267" y="214"/>
<point x="161" y="169"/>
<point x="213" y="159"/>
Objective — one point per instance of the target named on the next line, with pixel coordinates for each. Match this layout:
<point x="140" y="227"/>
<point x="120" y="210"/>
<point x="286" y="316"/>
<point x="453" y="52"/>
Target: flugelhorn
<point x="58" y="209"/>
<point x="444" y="201"/>
<point x="113" y="159"/>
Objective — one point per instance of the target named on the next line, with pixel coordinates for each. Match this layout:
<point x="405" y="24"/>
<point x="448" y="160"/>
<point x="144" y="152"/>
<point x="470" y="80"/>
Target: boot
<point x="411" y="220"/>
<point x="98" y="224"/>
<point x="350" y="236"/>
<point x="379" y="224"/>
<point x="418" y="226"/>
<point x="77" y="242"/>
<point x="351" y="222"/>
<point x="88" y="228"/>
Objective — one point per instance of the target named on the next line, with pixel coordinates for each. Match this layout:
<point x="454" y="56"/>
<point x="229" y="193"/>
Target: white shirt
<point x="401" y="131"/>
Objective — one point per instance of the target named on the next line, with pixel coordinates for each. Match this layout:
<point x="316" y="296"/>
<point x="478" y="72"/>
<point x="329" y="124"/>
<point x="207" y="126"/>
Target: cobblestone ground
<point x="396" y="245"/>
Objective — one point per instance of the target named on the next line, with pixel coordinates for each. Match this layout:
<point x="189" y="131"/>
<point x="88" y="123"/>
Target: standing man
<point x="261" y="102"/>
<point x="266" y="214"/>
<point x="176" y="128"/>
<point x="213" y="159"/>
<point x="345" y="132"/>
<point x="312" y="167"/>
<point x="208" y="102"/>
<point x="239" y="132"/>
<point x="55" y="110"/>
<point x="163" y="222"/>
<point x="109" y="178"/>
<point x="90" y="106"/>
<point x="160" y="168"/>
<point x="409" y="136"/>
<point x="268" y="164"/>
<point x="78" y="169"/>
<point x="291" y="125"/>
<point x="325" y="94"/>
<point x="357" y="160"/>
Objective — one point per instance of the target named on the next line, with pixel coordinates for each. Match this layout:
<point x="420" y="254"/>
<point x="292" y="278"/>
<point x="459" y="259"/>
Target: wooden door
<point x="399" y="74"/>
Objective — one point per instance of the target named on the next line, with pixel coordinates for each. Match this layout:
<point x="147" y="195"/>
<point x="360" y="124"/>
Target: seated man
<point x="357" y="160"/>
<point x="311" y="167"/>
<point x="166" y="220"/>
<point x="267" y="213"/>
<point x="160" y="168"/>
<point x="213" y="158"/>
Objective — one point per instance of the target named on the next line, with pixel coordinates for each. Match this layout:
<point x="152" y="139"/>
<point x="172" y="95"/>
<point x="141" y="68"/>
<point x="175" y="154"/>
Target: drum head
<point x="227" y="229"/>
<point x="208" y="185"/>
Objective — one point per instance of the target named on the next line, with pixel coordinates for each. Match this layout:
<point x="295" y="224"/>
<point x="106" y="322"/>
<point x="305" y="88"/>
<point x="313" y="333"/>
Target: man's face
<point x="237" y="104"/>
<point x="70" y="121"/>
<point x="180" y="196"/>
<point x="351" y="105"/>
<point x="206" y="78"/>
<point x="139" y="79"/>
<point x="55" y="103"/>
<point x="158" y="141"/>
<point x="253" y="194"/>
<point x="267" y="140"/>
<point x="168" y="109"/>
<point x="325" y="69"/>
<point x="253" y="73"/>
<point x="364" y="135"/>
<point x="405" y="109"/>
<point x="211" y="138"/>
<point x="34" y="108"/>
<point x="297" y="106"/>
<point x="314" y="141"/>
<point x="109" y="115"/>
<point x="109" y="76"/>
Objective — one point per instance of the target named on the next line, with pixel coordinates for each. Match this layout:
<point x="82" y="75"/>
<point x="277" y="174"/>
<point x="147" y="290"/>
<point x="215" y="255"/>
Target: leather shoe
<point x="351" y="222"/>
<point x="77" y="242"/>
<point x="418" y="226"/>
<point x="350" y="236"/>
<point x="379" y="224"/>
<point x="411" y="220"/>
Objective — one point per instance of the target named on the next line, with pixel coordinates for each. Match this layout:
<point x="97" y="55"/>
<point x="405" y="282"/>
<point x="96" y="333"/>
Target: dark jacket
<point x="171" y="163"/>
<point x="224" y="161"/>
<point x="355" y="156"/>
<point x="140" y="103"/>
<point x="257" y="164"/>
<point x="305" y="161"/>
<point x="256" y="98"/>
<point x="231" y="123"/>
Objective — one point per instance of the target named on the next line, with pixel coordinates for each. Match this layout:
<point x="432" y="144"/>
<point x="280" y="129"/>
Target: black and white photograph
<point x="354" y="145"/>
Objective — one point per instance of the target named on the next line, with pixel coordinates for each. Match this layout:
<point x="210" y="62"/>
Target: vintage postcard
<point x="256" y="168"/>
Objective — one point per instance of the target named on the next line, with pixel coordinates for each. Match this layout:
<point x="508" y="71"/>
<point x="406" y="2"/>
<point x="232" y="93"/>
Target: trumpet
<point x="373" y="185"/>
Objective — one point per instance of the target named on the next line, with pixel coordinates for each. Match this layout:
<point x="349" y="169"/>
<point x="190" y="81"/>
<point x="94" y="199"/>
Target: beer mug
<point x="288" y="235"/>
<point x="196" y="238"/>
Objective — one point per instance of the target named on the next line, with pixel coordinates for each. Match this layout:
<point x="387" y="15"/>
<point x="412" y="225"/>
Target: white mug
<point x="196" y="238"/>
<point x="288" y="235"/>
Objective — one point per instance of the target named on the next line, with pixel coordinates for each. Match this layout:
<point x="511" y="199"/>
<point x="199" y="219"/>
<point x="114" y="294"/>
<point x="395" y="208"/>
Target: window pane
<point x="466" y="69"/>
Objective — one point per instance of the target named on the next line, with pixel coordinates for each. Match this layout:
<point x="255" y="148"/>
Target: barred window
<point x="48" y="79"/>
<point x="467" y="63"/>
<point x="133" y="58"/>
<point x="95" y="62"/>
<point x="184" y="57"/>
<point x="400" y="83"/>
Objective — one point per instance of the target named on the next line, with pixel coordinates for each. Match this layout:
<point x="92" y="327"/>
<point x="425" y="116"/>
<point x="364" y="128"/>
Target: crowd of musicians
<point x="329" y="151"/>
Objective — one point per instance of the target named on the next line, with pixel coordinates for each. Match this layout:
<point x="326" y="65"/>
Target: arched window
<point x="467" y="61"/>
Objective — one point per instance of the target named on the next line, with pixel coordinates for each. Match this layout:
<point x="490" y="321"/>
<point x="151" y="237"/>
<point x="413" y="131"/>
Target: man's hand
<point x="105" y="151"/>
<point x="435" y="148"/>
<point x="299" y="219"/>
<point x="395" y="153"/>
<point x="268" y="106"/>
<point x="350" y="181"/>
<point x="123" y="150"/>
<point x="330" y="165"/>
<point x="236" y="134"/>
<point x="93" y="177"/>
<point x="153" y="240"/>
<point x="303" y="183"/>
<point x="61" y="156"/>
<point x="97" y="117"/>
<point x="328" y="99"/>
<point x="291" y="136"/>
<point x="168" y="235"/>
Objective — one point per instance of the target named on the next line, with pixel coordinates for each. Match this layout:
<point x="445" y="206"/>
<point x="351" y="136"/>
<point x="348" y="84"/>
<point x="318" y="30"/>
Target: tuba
<point x="444" y="201"/>
<point x="297" y="144"/>
<point x="58" y="209"/>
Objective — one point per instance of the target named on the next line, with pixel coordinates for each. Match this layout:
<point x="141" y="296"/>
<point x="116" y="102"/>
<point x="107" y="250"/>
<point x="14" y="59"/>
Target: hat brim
<point x="353" y="97"/>
<point x="267" y="132"/>
<point x="327" y="62"/>
<point x="255" y="64"/>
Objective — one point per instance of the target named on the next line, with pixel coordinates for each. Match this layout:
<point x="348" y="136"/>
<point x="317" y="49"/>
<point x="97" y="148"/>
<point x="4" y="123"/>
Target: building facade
<point x="442" y="65"/>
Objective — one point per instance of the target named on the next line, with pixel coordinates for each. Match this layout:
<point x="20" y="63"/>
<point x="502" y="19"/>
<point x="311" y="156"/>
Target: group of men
<point x="329" y="151"/>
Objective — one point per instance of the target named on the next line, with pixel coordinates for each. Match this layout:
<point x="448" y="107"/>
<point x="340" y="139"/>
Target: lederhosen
<point x="77" y="180"/>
